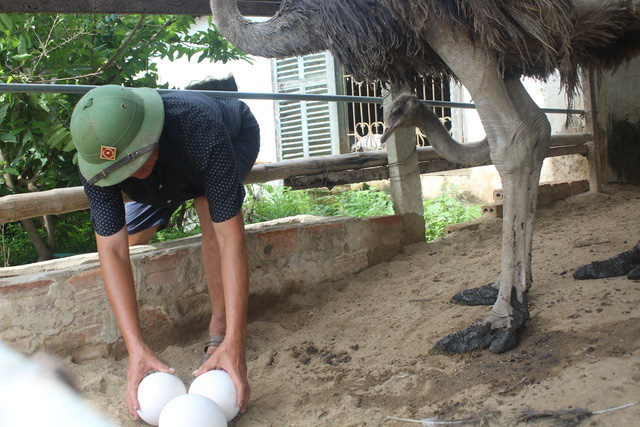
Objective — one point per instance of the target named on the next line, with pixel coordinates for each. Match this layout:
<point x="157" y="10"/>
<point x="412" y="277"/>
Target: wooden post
<point x="598" y="147"/>
<point x="404" y="175"/>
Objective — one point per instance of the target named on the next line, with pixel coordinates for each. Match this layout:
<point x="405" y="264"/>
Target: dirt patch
<point x="357" y="351"/>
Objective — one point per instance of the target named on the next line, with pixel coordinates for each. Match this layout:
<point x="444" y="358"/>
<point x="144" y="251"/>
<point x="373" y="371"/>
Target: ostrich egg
<point x="217" y="386"/>
<point x="154" y="392"/>
<point x="192" y="410"/>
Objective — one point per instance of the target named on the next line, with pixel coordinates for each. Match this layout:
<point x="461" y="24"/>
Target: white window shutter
<point x="306" y="128"/>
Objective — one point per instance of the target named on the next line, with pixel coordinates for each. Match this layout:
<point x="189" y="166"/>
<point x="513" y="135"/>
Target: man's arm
<point x="117" y="274"/>
<point x="231" y="356"/>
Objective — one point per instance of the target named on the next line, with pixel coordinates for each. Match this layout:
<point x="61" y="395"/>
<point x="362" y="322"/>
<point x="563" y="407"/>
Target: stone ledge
<point x="60" y="305"/>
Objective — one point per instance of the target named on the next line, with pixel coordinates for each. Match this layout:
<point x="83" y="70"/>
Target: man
<point x="161" y="150"/>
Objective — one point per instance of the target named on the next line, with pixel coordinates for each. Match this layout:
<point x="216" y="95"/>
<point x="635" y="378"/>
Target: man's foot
<point x="210" y="345"/>
<point x="619" y="265"/>
<point x="482" y="335"/>
<point x="484" y="295"/>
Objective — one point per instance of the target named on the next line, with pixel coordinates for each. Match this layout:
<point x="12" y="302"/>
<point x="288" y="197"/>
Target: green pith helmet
<point x="115" y="130"/>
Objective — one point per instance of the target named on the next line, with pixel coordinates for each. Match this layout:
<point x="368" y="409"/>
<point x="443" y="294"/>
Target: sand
<point x="356" y="351"/>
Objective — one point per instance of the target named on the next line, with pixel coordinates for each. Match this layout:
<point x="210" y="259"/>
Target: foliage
<point x="36" y="151"/>
<point x="266" y="202"/>
<point x="74" y="235"/>
<point x="446" y="209"/>
<point x="183" y="223"/>
<point x="263" y="203"/>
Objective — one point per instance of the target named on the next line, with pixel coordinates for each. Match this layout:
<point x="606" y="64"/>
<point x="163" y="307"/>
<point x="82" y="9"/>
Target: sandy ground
<point x="356" y="352"/>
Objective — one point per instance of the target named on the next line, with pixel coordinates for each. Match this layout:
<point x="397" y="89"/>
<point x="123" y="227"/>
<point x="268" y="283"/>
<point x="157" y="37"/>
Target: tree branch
<point x="44" y="252"/>
<point x="123" y="45"/>
<point x="44" y="46"/>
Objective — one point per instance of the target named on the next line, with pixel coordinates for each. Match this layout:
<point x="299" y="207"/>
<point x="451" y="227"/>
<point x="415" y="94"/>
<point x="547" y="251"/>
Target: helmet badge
<point x="107" y="153"/>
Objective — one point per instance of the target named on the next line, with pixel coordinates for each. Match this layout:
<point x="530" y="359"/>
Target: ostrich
<point x="487" y="45"/>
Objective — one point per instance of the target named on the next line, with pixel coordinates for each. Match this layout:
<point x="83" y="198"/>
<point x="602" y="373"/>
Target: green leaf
<point x="21" y="57"/>
<point x="3" y="112"/>
<point x="22" y="45"/>
<point x="69" y="144"/>
<point x="7" y="137"/>
<point x="6" y="20"/>
<point x="11" y="170"/>
<point x="55" y="140"/>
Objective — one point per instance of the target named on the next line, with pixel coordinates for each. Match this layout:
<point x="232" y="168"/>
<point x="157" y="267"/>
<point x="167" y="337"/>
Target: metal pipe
<point x="82" y="89"/>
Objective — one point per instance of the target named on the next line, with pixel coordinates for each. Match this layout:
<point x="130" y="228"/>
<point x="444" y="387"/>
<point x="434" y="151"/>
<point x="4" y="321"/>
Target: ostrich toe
<point x="619" y="265"/>
<point x="483" y="295"/>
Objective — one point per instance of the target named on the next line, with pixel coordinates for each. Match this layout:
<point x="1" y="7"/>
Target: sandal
<point x="212" y="341"/>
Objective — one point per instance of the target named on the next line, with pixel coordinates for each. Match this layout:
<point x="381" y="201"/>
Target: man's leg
<point x="212" y="270"/>
<point x="142" y="237"/>
<point x="143" y="221"/>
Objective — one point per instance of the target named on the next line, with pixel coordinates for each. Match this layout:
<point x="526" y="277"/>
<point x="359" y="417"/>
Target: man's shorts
<point x="140" y="216"/>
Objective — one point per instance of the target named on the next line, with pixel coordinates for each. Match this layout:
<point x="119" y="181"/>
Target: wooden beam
<point x="326" y="171"/>
<point x="29" y="205"/>
<point x="429" y="162"/>
<point x="598" y="155"/>
<point x="332" y="179"/>
<point x="148" y="7"/>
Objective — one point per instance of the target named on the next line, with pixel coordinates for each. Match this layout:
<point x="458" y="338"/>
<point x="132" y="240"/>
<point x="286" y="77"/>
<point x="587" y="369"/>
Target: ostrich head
<point x="405" y="112"/>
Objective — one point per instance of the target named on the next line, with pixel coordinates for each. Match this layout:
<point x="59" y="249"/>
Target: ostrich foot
<point x="634" y="274"/>
<point x="490" y="332"/>
<point x="622" y="264"/>
<point x="484" y="295"/>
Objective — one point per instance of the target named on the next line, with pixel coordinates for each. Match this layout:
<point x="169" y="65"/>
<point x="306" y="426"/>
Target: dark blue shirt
<point x="195" y="158"/>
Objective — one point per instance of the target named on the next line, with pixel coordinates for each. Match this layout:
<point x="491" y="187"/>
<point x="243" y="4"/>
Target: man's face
<point x="146" y="169"/>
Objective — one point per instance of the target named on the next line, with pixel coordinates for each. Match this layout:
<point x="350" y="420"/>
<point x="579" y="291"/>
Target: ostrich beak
<point x="391" y="127"/>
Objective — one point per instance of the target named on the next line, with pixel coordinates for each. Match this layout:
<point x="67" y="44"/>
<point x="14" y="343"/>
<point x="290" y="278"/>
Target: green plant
<point x="266" y="202"/>
<point x="183" y="223"/>
<point x="446" y="209"/>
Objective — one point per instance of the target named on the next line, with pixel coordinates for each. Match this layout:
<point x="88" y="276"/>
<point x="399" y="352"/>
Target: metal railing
<point x="82" y="89"/>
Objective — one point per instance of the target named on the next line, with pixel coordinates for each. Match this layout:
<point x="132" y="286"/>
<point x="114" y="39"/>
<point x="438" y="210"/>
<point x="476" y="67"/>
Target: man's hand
<point x="230" y="357"/>
<point x="140" y="363"/>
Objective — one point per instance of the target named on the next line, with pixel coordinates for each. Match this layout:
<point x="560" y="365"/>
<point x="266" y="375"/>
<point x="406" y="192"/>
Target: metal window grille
<point x="365" y="123"/>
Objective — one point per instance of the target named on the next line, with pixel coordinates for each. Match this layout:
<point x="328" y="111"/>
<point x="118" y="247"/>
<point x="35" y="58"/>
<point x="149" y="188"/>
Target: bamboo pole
<point x="64" y="200"/>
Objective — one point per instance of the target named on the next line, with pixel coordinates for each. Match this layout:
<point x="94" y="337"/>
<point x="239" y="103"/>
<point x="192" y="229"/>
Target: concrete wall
<point x="618" y="113"/>
<point x="60" y="306"/>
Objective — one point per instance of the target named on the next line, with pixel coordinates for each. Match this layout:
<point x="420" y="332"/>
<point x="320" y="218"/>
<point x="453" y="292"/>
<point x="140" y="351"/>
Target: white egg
<point x="217" y="386"/>
<point x="192" y="410"/>
<point x="154" y="392"/>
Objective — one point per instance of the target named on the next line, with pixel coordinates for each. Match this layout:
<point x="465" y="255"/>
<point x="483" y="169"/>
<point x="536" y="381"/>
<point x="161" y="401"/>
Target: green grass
<point x="446" y="209"/>
<point x="74" y="232"/>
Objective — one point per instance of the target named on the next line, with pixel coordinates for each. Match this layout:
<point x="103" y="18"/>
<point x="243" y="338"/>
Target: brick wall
<point x="60" y="306"/>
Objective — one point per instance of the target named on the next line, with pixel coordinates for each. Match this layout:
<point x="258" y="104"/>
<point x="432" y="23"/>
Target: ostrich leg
<point x="519" y="136"/>
<point x="526" y="108"/>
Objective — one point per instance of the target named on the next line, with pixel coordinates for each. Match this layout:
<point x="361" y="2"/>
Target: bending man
<point x="161" y="150"/>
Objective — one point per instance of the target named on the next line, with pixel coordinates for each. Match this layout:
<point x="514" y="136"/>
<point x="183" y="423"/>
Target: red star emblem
<point x="107" y="153"/>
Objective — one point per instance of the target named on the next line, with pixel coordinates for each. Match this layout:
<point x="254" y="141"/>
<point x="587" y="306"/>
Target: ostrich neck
<point x="468" y="154"/>
<point x="227" y="17"/>
<point x="291" y="32"/>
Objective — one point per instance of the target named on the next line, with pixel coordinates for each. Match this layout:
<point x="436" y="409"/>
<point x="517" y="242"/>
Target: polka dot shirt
<point x="195" y="158"/>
